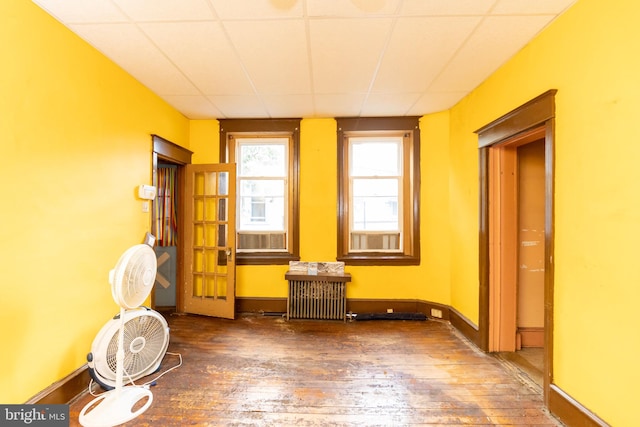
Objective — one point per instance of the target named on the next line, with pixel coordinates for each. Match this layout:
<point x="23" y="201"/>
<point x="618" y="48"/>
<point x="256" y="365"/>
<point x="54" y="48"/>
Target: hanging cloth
<point x="166" y="221"/>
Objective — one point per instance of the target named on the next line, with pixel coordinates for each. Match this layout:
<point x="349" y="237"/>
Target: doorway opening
<point x="168" y="163"/>
<point x="166" y="218"/>
<point x="517" y="242"/>
<point x="516" y="172"/>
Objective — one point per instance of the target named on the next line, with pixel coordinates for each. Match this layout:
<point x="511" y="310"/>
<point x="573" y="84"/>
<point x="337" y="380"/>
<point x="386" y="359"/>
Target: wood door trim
<point x="529" y="115"/>
<point x="537" y="115"/>
<point x="171" y="151"/>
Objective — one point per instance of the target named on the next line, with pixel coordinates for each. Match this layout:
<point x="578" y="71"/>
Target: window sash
<point x="375" y="193"/>
<point x="371" y="244"/>
<point x="262" y="170"/>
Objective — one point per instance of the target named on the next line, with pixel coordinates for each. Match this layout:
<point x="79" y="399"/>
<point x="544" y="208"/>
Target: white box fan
<point x="133" y="343"/>
<point x="146" y="338"/>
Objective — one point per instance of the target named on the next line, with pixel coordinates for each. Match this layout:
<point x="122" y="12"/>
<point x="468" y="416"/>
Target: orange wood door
<point x="209" y="258"/>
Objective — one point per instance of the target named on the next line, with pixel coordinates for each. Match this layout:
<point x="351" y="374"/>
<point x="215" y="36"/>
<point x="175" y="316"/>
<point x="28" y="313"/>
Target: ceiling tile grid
<point x="215" y="59"/>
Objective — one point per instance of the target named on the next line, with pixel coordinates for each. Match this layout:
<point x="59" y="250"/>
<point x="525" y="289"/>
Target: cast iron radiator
<point x="317" y="297"/>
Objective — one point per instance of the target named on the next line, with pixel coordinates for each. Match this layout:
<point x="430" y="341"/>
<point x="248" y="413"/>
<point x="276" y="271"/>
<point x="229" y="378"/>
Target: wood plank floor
<point x="264" y="371"/>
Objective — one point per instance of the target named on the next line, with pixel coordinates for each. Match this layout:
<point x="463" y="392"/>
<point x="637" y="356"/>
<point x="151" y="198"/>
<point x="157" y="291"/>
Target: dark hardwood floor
<point x="264" y="371"/>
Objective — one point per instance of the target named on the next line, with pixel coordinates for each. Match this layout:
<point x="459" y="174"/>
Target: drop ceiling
<point x="307" y="58"/>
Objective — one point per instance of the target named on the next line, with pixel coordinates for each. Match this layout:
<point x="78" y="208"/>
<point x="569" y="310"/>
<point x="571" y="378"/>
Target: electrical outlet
<point x="436" y="313"/>
<point x="389" y="310"/>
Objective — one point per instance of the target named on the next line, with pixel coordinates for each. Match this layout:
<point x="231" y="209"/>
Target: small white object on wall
<point x="147" y="192"/>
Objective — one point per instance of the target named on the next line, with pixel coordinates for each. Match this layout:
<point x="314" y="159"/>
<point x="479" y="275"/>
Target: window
<point x="378" y="194"/>
<point x="267" y="154"/>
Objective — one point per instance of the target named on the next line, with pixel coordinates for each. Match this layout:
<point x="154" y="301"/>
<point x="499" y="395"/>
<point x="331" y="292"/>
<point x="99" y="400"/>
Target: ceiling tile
<point x="74" y="11"/>
<point x="201" y="50"/>
<point x="315" y="58"/>
<point x="338" y="104"/>
<point x="528" y="7"/>
<point x="419" y="49"/>
<point x="257" y="9"/>
<point x="240" y="106"/>
<point x="195" y="107"/>
<point x="346" y="52"/>
<point x="432" y="102"/>
<point x="496" y="40"/>
<point x="388" y="104"/>
<point x="165" y="10"/>
<point x="128" y="47"/>
<point x="447" y="7"/>
<point x="287" y="106"/>
<point x="353" y="8"/>
<point x="274" y="53"/>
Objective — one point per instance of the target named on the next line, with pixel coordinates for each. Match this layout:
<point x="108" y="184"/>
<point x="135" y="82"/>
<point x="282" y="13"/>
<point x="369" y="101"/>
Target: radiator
<point x="317" y="299"/>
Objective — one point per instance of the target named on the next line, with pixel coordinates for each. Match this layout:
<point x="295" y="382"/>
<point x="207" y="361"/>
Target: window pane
<point x="375" y="157"/>
<point x="375" y="204"/>
<point x="262" y="159"/>
<point x="262" y="205"/>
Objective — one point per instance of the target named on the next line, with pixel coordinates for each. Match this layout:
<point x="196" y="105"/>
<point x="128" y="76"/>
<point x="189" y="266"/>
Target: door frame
<point x="535" y="115"/>
<point x="503" y="238"/>
<point x="165" y="150"/>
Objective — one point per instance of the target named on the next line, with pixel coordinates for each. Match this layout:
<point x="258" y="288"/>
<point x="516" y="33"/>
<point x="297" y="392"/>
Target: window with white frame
<point x="262" y="193"/>
<point x="266" y="153"/>
<point x="375" y="187"/>
<point x="378" y="163"/>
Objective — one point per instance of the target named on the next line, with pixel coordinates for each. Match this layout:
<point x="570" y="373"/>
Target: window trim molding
<point x="347" y="125"/>
<point x="264" y="127"/>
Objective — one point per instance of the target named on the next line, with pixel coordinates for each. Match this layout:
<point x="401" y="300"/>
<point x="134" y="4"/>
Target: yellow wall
<point x="318" y="221"/>
<point x="204" y="141"/>
<point x="75" y="144"/>
<point x="590" y="55"/>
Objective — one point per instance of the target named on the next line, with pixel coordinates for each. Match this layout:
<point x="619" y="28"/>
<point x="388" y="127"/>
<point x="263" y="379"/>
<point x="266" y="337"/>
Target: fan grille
<point x="144" y="339"/>
<point x="134" y="276"/>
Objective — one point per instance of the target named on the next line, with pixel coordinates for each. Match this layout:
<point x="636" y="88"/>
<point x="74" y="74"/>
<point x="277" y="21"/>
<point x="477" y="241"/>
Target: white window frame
<point x="243" y="141"/>
<point x="363" y="236"/>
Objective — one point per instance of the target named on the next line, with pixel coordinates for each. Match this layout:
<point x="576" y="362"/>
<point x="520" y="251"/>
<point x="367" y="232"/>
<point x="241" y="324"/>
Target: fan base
<point x="115" y="407"/>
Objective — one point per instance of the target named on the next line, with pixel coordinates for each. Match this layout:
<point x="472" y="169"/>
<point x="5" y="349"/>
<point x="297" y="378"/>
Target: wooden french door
<point x="209" y="259"/>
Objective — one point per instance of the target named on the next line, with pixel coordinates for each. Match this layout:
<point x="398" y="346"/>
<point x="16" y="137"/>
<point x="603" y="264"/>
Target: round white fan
<point x="146" y="338"/>
<point x="131" y="282"/>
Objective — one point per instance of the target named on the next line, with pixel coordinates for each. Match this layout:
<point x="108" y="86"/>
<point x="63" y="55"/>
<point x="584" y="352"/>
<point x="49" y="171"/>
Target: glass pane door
<point x="210" y="240"/>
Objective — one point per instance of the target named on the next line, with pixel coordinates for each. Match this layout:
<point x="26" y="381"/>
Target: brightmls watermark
<point x="34" y="415"/>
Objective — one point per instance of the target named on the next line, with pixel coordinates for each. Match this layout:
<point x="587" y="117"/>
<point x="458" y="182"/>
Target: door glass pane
<point x="209" y="209"/>
<point x="210" y="260"/>
<point x="222" y="235"/>
<point x="198" y="264"/>
<point x="222" y="261"/>
<point x="223" y="184"/>
<point x="197" y="286"/>
<point x="198" y="184"/>
<point x="210" y="286"/>
<point x="222" y="209"/>
<point x="222" y="287"/>
<point x="210" y="183"/>
<point x="210" y="235"/>
<point x="198" y="235"/>
<point x="198" y="209"/>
